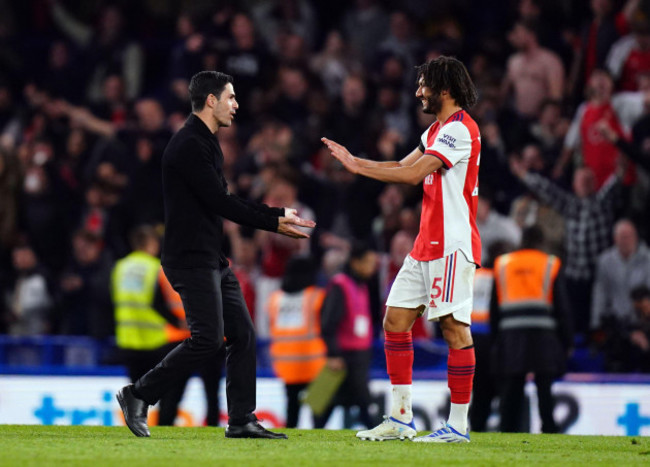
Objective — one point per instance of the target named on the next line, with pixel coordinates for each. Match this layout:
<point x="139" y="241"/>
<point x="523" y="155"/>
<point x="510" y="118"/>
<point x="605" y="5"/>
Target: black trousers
<point x="293" y="402"/>
<point x="210" y="375"/>
<point x="512" y="403"/>
<point x="138" y="362"/>
<point x="214" y="308"/>
<point x="354" y="390"/>
<point x="484" y="390"/>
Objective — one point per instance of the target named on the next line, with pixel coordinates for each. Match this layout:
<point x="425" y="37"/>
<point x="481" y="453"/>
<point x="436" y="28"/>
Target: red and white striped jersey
<point x="448" y="221"/>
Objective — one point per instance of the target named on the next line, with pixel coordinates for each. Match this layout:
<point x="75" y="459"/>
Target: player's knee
<point x="456" y="334"/>
<point x="397" y="322"/>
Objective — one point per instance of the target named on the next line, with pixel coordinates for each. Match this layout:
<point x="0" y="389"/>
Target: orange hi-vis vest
<point x="524" y="281"/>
<point x="297" y="350"/>
<point x="175" y="304"/>
<point x="483" y="284"/>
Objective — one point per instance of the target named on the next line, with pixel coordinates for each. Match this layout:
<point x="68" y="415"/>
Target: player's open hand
<point x="287" y="225"/>
<point x="342" y="155"/>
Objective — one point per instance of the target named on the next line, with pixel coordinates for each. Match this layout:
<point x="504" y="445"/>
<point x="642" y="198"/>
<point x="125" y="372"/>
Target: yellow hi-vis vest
<point x="138" y="326"/>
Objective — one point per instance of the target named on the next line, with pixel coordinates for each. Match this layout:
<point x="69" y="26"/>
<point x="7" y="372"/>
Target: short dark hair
<point x="449" y="74"/>
<point x="139" y="236"/>
<point x="640" y="293"/>
<point x="359" y="249"/>
<point x="205" y="83"/>
<point x="532" y="237"/>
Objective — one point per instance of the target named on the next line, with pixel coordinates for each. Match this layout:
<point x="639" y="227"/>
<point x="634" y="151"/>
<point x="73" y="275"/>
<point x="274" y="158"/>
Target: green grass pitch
<point x="116" y="446"/>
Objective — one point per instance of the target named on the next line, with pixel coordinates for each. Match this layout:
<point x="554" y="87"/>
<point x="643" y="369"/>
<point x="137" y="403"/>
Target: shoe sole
<point x="120" y="400"/>
<point x="400" y="438"/>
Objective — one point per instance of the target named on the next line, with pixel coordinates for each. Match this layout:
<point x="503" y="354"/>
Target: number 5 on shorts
<point x="437" y="290"/>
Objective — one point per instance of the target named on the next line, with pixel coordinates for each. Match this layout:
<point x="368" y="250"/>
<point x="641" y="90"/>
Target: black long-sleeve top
<point x="197" y="199"/>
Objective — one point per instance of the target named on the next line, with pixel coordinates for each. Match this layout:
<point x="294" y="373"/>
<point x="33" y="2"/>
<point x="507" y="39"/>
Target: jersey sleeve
<point x="452" y="144"/>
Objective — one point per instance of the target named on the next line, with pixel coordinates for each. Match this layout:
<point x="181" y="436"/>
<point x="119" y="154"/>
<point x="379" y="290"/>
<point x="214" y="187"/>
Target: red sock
<point x="398" y="347"/>
<point x="460" y="374"/>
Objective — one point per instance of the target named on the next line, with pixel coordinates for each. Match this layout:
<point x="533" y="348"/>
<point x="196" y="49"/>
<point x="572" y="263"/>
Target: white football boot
<point x="390" y="428"/>
<point x="446" y="434"/>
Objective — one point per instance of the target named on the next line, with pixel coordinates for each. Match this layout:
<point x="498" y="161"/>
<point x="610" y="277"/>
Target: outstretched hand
<point x="287" y="224"/>
<point x="342" y="155"/>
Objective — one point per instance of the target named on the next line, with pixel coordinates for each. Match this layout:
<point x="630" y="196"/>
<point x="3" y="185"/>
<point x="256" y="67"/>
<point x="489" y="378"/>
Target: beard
<point x="433" y="105"/>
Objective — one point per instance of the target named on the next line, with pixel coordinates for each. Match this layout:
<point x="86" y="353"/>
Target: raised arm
<point x="408" y="160"/>
<point x="412" y="172"/>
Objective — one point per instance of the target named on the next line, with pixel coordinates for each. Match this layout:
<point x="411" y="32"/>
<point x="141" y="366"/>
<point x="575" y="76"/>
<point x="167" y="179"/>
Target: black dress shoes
<point x="252" y="430"/>
<point x="134" y="410"/>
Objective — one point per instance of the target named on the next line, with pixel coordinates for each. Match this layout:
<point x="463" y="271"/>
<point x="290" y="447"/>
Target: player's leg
<point x="461" y="364"/>
<point x="405" y="303"/>
<point x="452" y="288"/>
<point x="398" y="347"/>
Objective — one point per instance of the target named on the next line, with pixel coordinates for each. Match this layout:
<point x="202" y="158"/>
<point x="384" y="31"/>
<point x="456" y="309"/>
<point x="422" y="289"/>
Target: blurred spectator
<point x="277" y="17"/>
<point x="533" y="72"/>
<point x="41" y="214"/>
<point x="85" y="302"/>
<point x="589" y="216"/>
<point x="365" y="24"/>
<point x="346" y="326"/>
<point x="638" y="150"/>
<point x="10" y="182"/>
<point x="29" y="296"/>
<point x="247" y="59"/>
<point x="493" y="226"/>
<point x="333" y="63"/>
<point x="550" y="130"/>
<point x="598" y="153"/>
<point x="61" y="77"/>
<point x="388" y="223"/>
<point x="528" y="313"/>
<point x="620" y="269"/>
<point x="402" y="42"/>
<point x="349" y="121"/>
<point x="244" y="253"/>
<point x="640" y="334"/>
<point x="297" y="350"/>
<point x="527" y="211"/>
<point x="276" y="250"/>
<point x="629" y="57"/>
<point x="10" y="123"/>
<point x="597" y="36"/>
<point x="107" y="48"/>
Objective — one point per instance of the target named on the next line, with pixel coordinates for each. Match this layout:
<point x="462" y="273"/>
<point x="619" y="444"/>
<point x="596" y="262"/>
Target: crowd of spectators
<point x="90" y="93"/>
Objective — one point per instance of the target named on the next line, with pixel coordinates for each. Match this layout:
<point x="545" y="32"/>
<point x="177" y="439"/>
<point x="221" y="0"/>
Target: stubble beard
<point x="433" y="106"/>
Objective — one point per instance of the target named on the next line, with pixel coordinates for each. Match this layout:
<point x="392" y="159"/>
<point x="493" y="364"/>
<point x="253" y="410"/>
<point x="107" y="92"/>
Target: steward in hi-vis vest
<point x="347" y="328"/>
<point x="297" y="350"/>
<point x="531" y="325"/>
<point x="145" y="327"/>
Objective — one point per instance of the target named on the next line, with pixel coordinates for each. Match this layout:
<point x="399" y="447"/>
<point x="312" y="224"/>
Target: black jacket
<point x="196" y="199"/>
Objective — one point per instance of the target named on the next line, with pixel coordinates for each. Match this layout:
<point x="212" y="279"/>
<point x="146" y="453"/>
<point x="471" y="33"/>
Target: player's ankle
<point x="405" y="417"/>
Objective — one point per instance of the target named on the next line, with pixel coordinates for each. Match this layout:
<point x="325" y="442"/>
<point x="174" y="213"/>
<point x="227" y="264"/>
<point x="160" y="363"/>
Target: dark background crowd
<point x="90" y="93"/>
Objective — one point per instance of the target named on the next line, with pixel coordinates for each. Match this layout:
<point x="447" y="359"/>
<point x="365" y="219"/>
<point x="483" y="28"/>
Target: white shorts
<point x="444" y="286"/>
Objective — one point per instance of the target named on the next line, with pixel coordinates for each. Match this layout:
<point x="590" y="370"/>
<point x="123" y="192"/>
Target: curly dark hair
<point x="449" y="74"/>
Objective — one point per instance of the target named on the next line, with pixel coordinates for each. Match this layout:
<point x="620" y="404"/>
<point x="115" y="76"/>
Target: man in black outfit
<point x="196" y="201"/>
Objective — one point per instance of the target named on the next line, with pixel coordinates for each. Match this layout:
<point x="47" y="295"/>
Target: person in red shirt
<point x="629" y="57"/>
<point x="599" y="154"/>
<point x="438" y="275"/>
